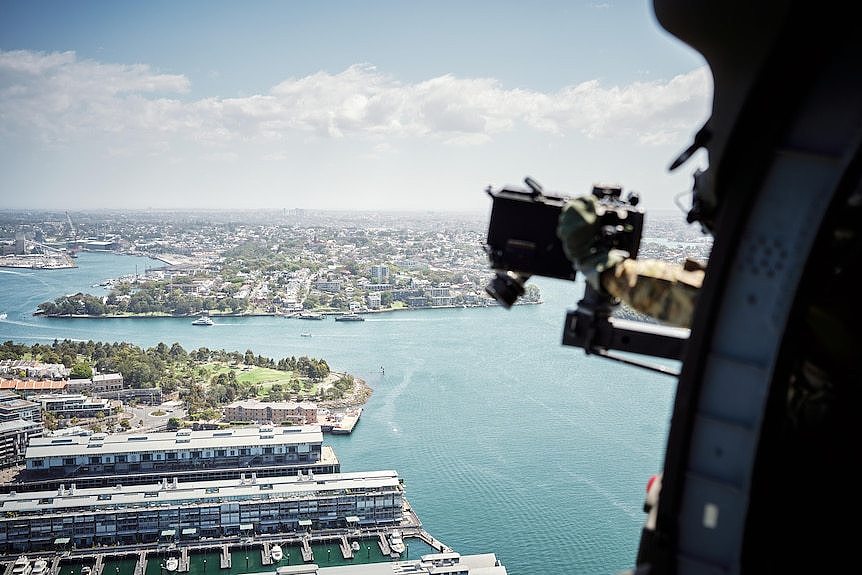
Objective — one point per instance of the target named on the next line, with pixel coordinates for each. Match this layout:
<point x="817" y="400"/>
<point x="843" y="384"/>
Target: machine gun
<point x="522" y="242"/>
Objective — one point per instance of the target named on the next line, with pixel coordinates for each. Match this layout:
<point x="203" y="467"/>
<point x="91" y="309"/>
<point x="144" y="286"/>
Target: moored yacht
<point x="21" y="566"/>
<point x="276" y="553"/>
<point x="396" y="543"/>
<point x="40" y="567"/>
<point x="349" y="317"/>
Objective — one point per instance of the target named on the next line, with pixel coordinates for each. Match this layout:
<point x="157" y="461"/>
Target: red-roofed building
<point x="33" y="387"/>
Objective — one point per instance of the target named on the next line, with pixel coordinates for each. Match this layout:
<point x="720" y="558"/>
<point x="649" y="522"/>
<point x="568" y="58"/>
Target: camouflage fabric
<point x="661" y="290"/>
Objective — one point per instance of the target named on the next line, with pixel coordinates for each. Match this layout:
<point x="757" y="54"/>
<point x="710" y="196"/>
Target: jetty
<point x="55" y="565"/>
<point x="183" y="567"/>
<point x="224" y="558"/>
<point x="141" y="563"/>
<point x="266" y="553"/>
<point x="99" y="565"/>
<point x="435" y="543"/>
<point x="383" y="543"/>
<point x="348" y="422"/>
<point x="307" y="553"/>
<point x="344" y="545"/>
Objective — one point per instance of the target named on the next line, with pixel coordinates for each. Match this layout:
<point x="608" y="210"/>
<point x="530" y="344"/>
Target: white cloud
<point x="59" y="100"/>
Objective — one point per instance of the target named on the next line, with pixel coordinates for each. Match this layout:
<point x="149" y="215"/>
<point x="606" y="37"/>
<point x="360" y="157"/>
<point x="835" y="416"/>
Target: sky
<point x="375" y="105"/>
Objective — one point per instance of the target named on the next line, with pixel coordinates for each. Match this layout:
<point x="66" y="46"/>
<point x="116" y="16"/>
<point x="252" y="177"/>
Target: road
<point x="143" y="418"/>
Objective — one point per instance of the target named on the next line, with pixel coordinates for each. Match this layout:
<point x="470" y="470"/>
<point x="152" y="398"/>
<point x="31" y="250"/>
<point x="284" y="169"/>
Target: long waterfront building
<point x="242" y="447"/>
<point x="171" y="511"/>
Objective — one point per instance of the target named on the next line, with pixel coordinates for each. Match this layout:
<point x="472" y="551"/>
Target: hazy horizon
<point x="392" y="106"/>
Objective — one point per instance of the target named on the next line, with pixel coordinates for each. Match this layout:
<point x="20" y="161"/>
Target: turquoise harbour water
<point x="507" y="441"/>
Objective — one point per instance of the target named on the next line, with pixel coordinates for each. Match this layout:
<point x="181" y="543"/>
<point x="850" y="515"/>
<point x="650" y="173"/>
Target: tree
<point x="81" y="370"/>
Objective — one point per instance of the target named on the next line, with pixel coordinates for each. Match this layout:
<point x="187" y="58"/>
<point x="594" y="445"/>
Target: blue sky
<point x="338" y="104"/>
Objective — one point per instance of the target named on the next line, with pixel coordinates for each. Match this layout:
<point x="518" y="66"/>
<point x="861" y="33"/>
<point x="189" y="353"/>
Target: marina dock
<point x="307" y="553"/>
<point x="183" y="567"/>
<point x="99" y="566"/>
<point x="266" y="553"/>
<point x="383" y="543"/>
<point x="141" y="564"/>
<point x="225" y="558"/>
<point x="344" y="545"/>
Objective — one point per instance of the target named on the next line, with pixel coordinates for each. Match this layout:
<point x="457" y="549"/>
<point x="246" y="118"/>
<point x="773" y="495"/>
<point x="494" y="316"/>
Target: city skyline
<point x="339" y="106"/>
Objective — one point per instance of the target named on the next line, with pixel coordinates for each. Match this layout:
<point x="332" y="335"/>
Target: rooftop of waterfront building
<point x="167" y="493"/>
<point x="100" y="443"/>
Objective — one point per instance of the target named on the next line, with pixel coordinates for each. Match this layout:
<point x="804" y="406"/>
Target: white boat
<point x="305" y="334"/>
<point x="276" y="553"/>
<point x="3" y="316"/>
<point x="40" y="567"/>
<point x="310" y="315"/>
<point x="396" y="544"/>
<point x="171" y="564"/>
<point x="86" y="570"/>
<point x="203" y="320"/>
<point x="355" y="545"/>
<point x="21" y="566"/>
<point x="349" y="317"/>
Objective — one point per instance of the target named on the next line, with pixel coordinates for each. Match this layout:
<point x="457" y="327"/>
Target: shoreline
<point x="270" y="314"/>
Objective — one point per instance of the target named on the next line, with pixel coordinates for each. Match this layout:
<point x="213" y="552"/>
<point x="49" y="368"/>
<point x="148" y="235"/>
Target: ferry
<point x="349" y="317"/>
<point x="310" y="315"/>
<point x="276" y="553"/>
<point x="396" y="543"/>
<point x="203" y="320"/>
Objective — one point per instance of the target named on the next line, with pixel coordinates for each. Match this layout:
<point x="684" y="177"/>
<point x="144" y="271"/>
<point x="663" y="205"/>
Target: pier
<point x="307" y="553"/>
<point x="141" y="564"/>
<point x="383" y="543"/>
<point x="55" y="565"/>
<point x="225" y="559"/>
<point x="266" y="553"/>
<point x="436" y="544"/>
<point x="99" y="566"/>
<point x="183" y="567"/>
<point x="344" y="545"/>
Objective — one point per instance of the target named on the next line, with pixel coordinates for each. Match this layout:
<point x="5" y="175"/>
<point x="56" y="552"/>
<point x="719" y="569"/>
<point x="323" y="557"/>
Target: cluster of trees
<point x="154" y="297"/>
<point x="78" y="304"/>
<point x="314" y="369"/>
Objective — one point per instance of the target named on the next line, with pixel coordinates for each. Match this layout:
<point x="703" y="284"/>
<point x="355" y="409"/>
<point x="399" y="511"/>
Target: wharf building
<point x="101" y="460"/>
<point x="173" y="511"/>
